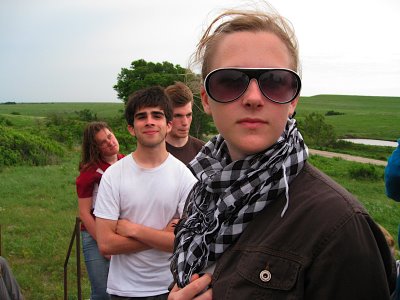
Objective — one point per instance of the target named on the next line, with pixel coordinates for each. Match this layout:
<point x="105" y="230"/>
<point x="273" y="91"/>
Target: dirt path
<point x="348" y="157"/>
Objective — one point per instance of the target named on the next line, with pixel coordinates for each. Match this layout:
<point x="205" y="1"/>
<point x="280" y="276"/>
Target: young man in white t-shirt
<point x="140" y="198"/>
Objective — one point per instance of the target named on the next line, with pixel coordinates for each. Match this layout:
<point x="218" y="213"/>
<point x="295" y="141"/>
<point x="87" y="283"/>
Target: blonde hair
<point x="232" y="21"/>
<point x="389" y="240"/>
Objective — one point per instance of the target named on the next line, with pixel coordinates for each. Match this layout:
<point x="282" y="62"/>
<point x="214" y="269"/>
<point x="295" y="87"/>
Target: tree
<point x="142" y="74"/>
<point x="202" y="125"/>
<point x="316" y="131"/>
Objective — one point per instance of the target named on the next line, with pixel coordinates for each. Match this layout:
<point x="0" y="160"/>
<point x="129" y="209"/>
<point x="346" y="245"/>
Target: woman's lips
<point x="251" y="122"/>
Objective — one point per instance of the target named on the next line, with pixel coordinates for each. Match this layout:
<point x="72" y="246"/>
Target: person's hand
<point x="108" y="257"/>
<point x="171" y="225"/>
<point x="196" y="289"/>
<point x="126" y="228"/>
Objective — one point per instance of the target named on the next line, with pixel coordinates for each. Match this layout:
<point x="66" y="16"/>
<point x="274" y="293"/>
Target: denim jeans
<point x="97" y="267"/>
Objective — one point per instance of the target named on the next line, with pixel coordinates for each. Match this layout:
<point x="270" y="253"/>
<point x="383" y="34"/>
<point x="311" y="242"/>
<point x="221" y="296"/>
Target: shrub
<point x="56" y="119"/>
<point x="5" y="121"/>
<point x="333" y="113"/>
<point x="86" y="115"/>
<point x="364" y="172"/>
<point x="127" y="143"/>
<point x="64" y="130"/>
<point x="21" y="148"/>
<point x="316" y="131"/>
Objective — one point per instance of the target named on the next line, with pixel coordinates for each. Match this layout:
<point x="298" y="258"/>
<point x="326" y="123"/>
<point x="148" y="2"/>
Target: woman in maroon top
<point x="100" y="149"/>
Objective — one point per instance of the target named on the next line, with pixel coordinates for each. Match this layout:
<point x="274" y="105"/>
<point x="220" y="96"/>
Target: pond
<point x="372" y="142"/>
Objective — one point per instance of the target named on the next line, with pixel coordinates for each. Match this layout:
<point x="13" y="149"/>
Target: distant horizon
<point x="121" y="101"/>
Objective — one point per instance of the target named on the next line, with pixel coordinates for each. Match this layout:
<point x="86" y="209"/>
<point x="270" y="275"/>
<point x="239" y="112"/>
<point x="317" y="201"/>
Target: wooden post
<point x="75" y="233"/>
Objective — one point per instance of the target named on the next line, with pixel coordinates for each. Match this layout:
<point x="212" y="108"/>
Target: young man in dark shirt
<point x="179" y="143"/>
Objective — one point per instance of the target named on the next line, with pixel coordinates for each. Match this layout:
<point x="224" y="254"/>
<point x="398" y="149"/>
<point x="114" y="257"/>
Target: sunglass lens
<point x="227" y="85"/>
<point x="279" y="85"/>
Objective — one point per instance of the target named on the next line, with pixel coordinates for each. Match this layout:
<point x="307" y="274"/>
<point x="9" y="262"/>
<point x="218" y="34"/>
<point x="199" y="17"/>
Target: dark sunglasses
<point x="277" y="84"/>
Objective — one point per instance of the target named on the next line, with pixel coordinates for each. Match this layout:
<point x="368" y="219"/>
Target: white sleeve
<point x="107" y="201"/>
<point x="188" y="180"/>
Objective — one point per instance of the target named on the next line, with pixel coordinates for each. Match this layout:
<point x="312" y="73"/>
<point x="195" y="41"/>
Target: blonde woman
<point x="261" y="222"/>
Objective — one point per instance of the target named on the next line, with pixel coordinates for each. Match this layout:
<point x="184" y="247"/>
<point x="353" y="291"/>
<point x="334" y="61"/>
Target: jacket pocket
<point x="269" y="271"/>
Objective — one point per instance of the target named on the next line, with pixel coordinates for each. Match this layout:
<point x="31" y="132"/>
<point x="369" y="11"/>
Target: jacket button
<point x="265" y="275"/>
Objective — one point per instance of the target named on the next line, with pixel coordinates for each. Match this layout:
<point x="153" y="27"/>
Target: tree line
<point x="59" y="133"/>
<point x="141" y="74"/>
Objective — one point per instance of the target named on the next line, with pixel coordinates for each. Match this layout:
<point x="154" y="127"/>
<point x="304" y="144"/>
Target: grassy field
<point x="359" y="116"/>
<point x="38" y="205"/>
<point x="28" y="114"/>
<point x="38" y="209"/>
<point x="44" y="109"/>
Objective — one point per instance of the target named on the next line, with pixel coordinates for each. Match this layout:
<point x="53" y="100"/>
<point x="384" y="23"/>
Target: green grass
<point x="368" y="151"/>
<point x="38" y="205"/>
<point x="29" y="114"/>
<point x="44" y="109"/>
<point x="363" y="116"/>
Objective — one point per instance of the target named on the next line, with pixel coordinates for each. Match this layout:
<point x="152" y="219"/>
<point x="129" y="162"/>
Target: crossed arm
<point x="123" y="236"/>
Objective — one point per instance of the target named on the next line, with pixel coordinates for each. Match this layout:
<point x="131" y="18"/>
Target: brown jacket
<point x="326" y="246"/>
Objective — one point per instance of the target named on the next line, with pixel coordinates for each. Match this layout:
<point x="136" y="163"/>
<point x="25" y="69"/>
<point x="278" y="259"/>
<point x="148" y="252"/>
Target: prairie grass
<point x="38" y="205"/>
<point x="38" y="209"/>
<point x="44" y="109"/>
<point x="359" y="116"/>
<point x="29" y="114"/>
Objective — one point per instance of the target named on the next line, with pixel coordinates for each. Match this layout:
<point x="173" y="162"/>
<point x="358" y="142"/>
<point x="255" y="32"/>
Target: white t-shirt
<point x="151" y="197"/>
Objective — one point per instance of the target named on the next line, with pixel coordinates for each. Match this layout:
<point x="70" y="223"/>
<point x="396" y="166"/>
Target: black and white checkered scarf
<point x="228" y="195"/>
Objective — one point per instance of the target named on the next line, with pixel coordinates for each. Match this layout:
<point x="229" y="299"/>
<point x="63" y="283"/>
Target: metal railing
<point x="75" y="235"/>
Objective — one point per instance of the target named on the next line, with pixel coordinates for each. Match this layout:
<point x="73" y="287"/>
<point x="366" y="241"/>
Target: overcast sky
<point x="73" y="50"/>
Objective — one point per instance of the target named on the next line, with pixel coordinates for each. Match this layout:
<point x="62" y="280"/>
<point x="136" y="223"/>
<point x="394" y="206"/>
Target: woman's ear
<point x="292" y="107"/>
<point x="205" y="101"/>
